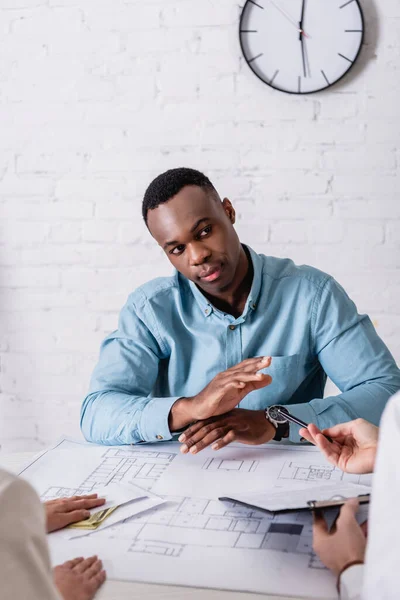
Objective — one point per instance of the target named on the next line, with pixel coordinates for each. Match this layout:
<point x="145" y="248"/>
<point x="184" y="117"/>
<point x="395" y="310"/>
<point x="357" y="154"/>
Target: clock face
<point x="301" y="46"/>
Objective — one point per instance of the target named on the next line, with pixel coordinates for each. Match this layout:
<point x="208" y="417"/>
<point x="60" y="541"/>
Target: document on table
<point x="192" y="538"/>
<point x="298" y="499"/>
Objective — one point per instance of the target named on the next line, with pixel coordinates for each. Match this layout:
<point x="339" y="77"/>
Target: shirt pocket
<point x="284" y="371"/>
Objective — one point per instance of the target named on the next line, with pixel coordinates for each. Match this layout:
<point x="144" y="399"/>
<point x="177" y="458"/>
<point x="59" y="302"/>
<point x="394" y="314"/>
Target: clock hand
<point x="301" y="19"/>
<point x="291" y="19"/>
<point x="303" y="56"/>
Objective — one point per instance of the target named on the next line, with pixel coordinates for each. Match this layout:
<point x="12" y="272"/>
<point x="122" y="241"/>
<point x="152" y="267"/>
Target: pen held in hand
<point x="293" y="419"/>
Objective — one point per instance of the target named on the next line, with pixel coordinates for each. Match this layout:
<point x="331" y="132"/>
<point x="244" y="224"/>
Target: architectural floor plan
<point x="194" y="539"/>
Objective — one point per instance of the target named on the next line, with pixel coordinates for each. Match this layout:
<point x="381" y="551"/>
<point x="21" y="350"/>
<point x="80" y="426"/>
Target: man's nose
<point x="198" y="254"/>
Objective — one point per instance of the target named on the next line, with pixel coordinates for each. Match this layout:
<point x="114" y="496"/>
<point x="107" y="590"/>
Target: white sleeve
<point x="25" y="570"/>
<point x="382" y="572"/>
<point x="351" y="583"/>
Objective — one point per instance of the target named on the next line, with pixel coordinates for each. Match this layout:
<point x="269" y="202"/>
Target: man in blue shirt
<point x="231" y="333"/>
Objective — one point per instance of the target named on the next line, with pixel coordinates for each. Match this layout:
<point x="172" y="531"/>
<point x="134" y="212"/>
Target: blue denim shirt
<point x="171" y="342"/>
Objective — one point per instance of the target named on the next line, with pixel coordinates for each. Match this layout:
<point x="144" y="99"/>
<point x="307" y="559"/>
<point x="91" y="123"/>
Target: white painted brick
<point x="288" y="232"/>
<point x="364" y="159"/>
<point x="392" y="236"/>
<point x="56" y="163"/>
<point x="40" y="21"/>
<point x="127" y="18"/>
<point x="293" y="183"/>
<point x="49" y="210"/>
<point x="340" y="105"/>
<point x="380" y="105"/>
<point x="108" y="323"/>
<point x="358" y="233"/>
<point x="100" y="231"/>
<point x="50" y="254"/>
<point x="15" y="187"/>
<point x="35" y="298"/>
<point x="25" y="277"/>
<point x="208" y="13"/>
<point x="100" y="96"/>
<point x="327" y="231"/>
<point x="377" y="208"/>
<point x="134" y="232"/>
<point x="367" y="185"/>
<point x="67" y="232"/>
<point x="383" y="132"/>
<point x="252" y="234"/>
<point x="23" y="232"/>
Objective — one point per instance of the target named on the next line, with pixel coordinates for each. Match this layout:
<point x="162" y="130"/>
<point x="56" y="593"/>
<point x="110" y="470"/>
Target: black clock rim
<point x="326" y="87"/>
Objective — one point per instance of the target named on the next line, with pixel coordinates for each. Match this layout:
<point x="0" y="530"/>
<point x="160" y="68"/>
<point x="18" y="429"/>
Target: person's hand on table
<point x="64" y="511"/>
<point x="238" y="425"/>
<point x="353" y="448"/>
<point x="79" y="579"/>
<point x="222" y="394"/>
<point x="344" y="544"/>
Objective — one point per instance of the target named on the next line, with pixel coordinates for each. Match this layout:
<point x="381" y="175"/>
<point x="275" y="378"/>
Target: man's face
<point x="195" y="229"/>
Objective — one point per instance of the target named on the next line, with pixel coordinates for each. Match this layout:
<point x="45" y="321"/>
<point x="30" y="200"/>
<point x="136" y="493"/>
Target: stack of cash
<point x="95" y="520"/>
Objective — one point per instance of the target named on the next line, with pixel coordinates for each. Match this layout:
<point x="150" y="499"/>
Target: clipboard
<point x="310" y="505"/>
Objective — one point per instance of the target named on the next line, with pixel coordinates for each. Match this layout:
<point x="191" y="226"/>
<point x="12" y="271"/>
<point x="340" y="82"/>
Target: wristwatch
<point x="278" y="420"/>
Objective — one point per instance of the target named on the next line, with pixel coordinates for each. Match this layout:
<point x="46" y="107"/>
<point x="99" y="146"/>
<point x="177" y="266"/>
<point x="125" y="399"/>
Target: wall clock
<point x="301" y="46"/>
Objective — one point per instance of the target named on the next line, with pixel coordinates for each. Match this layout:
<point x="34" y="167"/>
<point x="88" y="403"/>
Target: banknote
<point x="95" y="519"/>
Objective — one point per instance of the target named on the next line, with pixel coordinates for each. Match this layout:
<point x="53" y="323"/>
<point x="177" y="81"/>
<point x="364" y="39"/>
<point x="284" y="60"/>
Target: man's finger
<point x="245" y="377"/>
<point x="205" y="437"/>
<point x="227" y="439"/>
<point x="251" y="364"/>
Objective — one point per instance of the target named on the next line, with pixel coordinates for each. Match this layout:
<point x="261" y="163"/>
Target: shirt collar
<point x="251" y="303"/>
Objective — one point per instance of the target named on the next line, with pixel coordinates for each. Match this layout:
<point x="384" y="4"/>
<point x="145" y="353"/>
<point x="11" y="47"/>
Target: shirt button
<point x="159" y="437"/>
<point x="231" y="327"/>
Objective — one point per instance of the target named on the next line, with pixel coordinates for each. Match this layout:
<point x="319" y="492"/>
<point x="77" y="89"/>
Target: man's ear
<point x="229" y="210"/>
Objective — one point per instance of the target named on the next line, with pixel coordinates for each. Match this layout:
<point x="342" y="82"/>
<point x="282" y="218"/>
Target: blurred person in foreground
<point x="25" y="570"/>
<point x="367" y="569"/>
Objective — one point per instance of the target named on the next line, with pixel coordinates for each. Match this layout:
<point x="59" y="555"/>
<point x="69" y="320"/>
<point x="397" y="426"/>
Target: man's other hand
<point x="222" y="394"/>
<point x="63" y="511"/>
<point x="353" y="448"/>
<point x="344" y="544"/>
<point x="238" y="425"/>
<point x="79" y="579"/>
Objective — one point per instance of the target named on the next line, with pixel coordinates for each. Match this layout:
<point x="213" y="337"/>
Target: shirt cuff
<point x="304" y="412"/>
<point x="351" y="583"/>
<point x="153" y="425"/>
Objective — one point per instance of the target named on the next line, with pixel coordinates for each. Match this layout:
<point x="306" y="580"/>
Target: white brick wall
<point x="99" y="96"/>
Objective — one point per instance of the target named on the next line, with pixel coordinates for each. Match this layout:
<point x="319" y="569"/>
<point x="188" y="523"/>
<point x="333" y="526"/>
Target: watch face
<point x="273" y="413"/>
<point x="301" y="46"/>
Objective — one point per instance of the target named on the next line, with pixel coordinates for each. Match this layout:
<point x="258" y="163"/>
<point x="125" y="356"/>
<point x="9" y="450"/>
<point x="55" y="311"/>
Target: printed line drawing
<point x="314" y="473"/>
<point x="220" y="464"/>
<point x="145" y="467"/>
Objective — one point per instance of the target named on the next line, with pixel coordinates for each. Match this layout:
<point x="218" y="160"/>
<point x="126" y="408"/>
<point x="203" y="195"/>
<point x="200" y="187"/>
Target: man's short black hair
<point x="168" y="184"/>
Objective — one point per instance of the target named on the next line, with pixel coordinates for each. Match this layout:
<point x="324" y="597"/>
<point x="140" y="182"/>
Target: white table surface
<point x="124" y="590"/>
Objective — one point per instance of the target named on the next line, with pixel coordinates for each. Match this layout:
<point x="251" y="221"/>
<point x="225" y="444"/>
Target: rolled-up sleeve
<point x="119" y="408"/>
<point x="353" y="356"/>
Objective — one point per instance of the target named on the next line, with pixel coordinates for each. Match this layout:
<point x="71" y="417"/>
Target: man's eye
<point x="205" y="231"/>
<point x="178" y="249"/>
